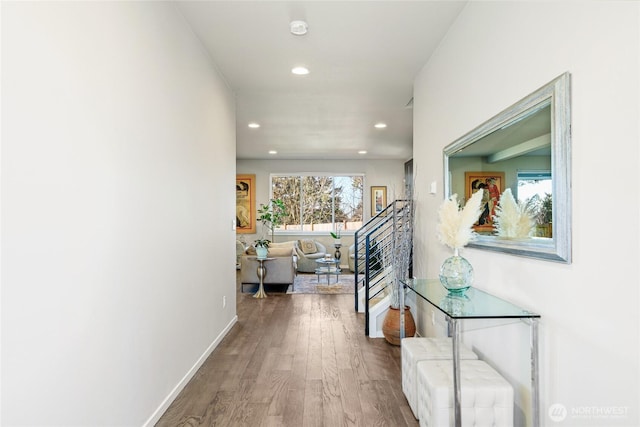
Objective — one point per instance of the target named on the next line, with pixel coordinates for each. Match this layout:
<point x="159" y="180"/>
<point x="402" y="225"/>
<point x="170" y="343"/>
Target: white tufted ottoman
<point x="417" y="349"/>
<point x="487" y="398"/>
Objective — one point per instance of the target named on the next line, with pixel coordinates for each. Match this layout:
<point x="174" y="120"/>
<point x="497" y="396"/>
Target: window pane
<point x="349" y="202"/>
<point x="535" y="188"/>
<point x="317" y="203"/>
<point x="287" y="189"/>
<point x="313" y="203"/>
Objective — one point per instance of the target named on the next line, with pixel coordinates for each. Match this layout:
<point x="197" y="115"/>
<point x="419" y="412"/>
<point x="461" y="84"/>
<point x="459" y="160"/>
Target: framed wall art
<point x="492" y="185"/>
<point x="378" y="199"/>
<point x="245" y="203"/>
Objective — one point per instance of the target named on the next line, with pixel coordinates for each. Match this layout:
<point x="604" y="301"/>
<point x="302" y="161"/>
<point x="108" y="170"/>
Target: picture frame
<point x="493" y="184"/>
<point x="246" y="203"/>
<point x="378" y="199"/>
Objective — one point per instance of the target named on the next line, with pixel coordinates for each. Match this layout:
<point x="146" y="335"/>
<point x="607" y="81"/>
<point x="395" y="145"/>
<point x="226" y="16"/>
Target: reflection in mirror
<point x="526" y="149"/>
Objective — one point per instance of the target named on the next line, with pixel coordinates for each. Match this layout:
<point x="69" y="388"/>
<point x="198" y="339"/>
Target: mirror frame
<point x="557" y="248"/>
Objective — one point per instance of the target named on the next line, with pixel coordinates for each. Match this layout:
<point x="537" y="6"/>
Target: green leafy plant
<point x="547" y="209"/>
<point x="261" y="243"/>
<point x="271" y="216"/>
<point x="335" y="234"/>
<point x="542" y="208"/>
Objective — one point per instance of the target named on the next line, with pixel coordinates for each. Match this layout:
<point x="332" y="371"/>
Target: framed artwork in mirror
<point x="245" y="203"/>
<point x="492" y="184"/>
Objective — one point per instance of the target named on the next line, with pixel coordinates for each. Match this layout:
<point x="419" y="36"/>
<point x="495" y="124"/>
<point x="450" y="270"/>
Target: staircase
<point x="374" y="245"/>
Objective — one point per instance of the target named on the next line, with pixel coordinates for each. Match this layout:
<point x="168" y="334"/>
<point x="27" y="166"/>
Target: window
<point x="536" y="189"/>
<point x="320" y="202"/>
<point x="532" y="183"/>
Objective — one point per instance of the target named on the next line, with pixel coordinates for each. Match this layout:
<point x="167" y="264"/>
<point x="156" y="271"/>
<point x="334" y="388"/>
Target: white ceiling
<point x="363" y="57"/>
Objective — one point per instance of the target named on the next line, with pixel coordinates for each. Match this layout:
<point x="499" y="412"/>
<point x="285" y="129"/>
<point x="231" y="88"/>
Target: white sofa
<point x="281" y="270"/>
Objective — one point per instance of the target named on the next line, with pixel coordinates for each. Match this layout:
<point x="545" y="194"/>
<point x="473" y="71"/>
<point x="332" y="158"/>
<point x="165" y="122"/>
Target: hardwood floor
<point x="295" y="360"/>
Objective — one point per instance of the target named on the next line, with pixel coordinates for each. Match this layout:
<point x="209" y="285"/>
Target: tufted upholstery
<point x="487" y="398"/>
<point x="414" y="350"/>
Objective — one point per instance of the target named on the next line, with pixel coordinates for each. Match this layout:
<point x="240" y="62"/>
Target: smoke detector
<point x="298" y="28"/>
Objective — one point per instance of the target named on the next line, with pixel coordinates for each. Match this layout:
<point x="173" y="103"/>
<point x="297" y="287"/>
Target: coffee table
<point x="328" y="267"/>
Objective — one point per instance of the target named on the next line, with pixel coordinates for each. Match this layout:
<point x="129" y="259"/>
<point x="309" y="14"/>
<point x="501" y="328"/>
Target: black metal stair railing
<point x="373" y="244"/>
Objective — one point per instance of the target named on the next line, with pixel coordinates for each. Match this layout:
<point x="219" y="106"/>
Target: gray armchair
<point x="307" y="261"/>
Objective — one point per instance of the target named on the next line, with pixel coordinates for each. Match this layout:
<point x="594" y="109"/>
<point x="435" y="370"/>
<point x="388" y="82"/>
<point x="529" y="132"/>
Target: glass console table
<point x="475" y="304"/>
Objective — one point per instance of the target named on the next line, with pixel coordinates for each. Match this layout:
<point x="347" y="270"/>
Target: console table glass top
<point x="474" y="304"/>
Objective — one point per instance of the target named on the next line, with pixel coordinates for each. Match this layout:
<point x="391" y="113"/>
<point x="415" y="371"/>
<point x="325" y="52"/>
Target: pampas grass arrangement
<point x="513" y="220"/>
<point x="455" y="225"/>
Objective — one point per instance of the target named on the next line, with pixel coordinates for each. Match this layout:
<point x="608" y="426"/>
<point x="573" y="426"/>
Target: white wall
<point x="389" y="173"/>
<point x="116" y="246"/>
<point x="495" y="54"/>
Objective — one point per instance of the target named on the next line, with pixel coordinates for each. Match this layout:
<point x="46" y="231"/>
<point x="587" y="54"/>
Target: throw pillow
<point x="288" y="245"/>
<point x="250" y="251"/>
<point x="279" y="252"/>
<point x="308" y="246"/>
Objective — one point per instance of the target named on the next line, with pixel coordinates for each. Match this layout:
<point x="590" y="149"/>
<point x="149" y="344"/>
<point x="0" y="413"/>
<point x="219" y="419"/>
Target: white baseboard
<point x="155" y="417"/>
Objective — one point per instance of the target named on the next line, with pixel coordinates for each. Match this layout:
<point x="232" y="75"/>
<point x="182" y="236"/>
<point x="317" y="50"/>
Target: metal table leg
<point x="401" y="290"/>
<point x="457" y="396"/>
<point x="262" y="272"/>
<point x="535" y="374"/>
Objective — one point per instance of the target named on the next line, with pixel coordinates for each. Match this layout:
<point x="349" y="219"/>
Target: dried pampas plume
<point x="513" y="219"/>
<point x="455" y="224"/>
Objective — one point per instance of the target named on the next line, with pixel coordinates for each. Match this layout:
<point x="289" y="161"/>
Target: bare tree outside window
<point x="320" y="203"/>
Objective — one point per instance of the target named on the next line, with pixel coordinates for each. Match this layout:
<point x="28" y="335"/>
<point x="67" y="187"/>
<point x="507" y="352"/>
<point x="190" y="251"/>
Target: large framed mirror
<point x="526" y="148"/>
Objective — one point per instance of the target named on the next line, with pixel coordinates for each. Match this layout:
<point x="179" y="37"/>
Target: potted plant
<point x="271" y="215"/>
<point x="397" y="262"/>
<point x="543" y="208"/>
<point x="336" y="237"/>
<point x="262" y="247"/>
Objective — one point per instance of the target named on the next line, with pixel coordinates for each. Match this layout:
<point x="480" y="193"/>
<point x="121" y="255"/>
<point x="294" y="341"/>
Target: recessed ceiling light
<point x="362" y="152"/>
<point x="380" y="125"/>
<point x="298" y="28"/>
<point x="301" y="71"/>
<point x="254" y="125"/>
<point x="273" y="152"/>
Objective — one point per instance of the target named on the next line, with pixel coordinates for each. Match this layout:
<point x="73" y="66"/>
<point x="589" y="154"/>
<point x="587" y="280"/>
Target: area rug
<point x="308" y="284"/>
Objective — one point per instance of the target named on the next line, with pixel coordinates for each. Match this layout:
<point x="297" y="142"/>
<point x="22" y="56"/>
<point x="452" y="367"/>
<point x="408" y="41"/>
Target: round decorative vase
<point x="456" y="274"/>
<point x="391" y="325"/>
<point x="261" y="252"/>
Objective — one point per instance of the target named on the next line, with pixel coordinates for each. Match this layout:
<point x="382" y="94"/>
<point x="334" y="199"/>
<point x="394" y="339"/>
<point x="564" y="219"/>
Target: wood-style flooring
<point x="295" y="360"/>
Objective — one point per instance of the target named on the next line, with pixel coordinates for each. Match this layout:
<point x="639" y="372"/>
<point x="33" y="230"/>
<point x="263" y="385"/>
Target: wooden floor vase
<point x="391" y="325"/>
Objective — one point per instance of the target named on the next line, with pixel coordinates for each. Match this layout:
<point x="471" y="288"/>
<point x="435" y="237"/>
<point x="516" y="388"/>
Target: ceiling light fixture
<point x="298" y="28"/>
<point x="273" y="152"/>
<point x="254" y="125"/>
<point x="300" y="71"/>
<point x="362" y="152"/>
<point x="380" y="125"/>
